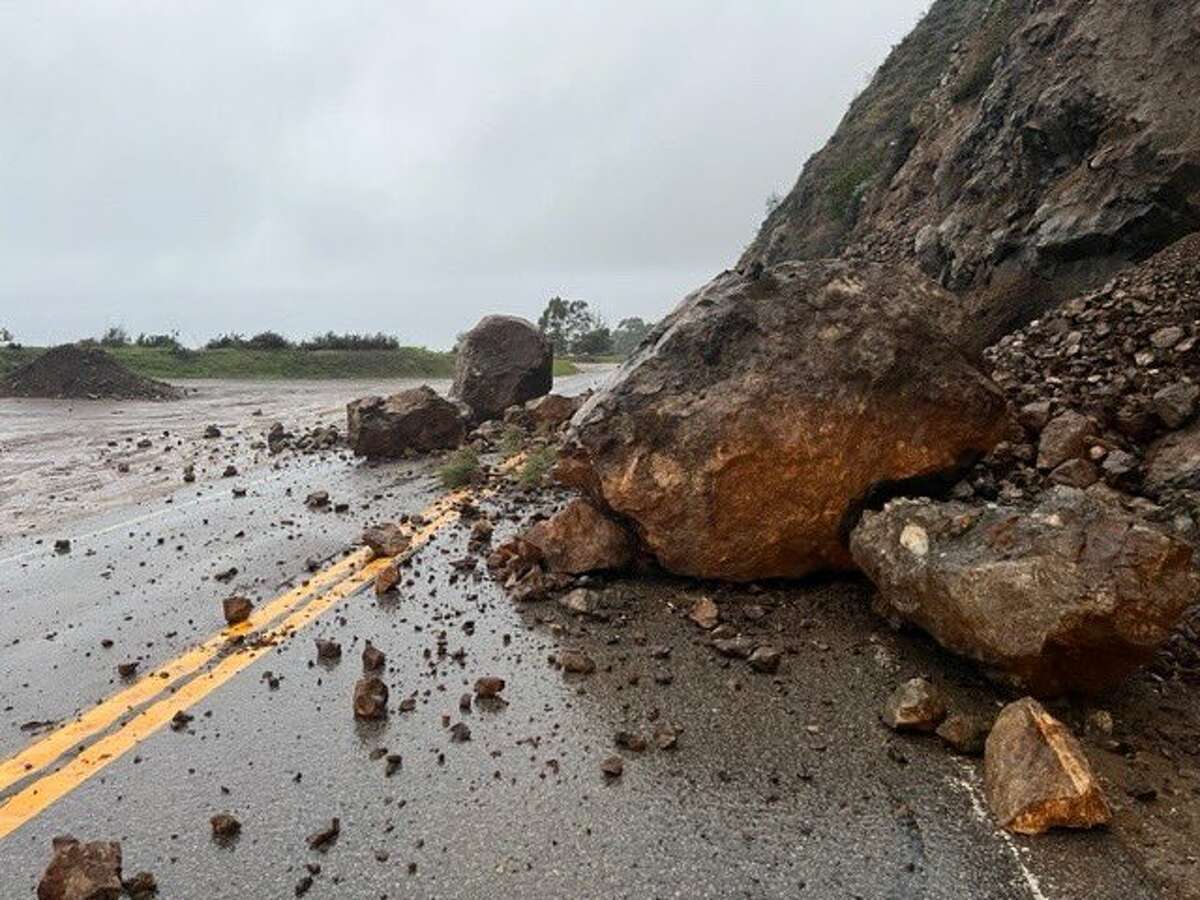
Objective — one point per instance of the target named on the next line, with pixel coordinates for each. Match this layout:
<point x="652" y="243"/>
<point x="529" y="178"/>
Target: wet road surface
<point x="779" y="785"/>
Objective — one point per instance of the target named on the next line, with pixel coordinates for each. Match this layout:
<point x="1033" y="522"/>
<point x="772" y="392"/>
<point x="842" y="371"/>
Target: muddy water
<point x="63" y="459"/>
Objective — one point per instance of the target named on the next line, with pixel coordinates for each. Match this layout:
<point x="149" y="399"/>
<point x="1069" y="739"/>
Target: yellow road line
<point x="101" y="716"/>
<point x="36" y="797"/>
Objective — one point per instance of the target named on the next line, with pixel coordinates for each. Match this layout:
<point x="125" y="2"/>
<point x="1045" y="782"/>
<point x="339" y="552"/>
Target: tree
<point x="596" y="342"/>
<point x="114" y="336"/>
<point x="6" y="336"/>
<point x="564" y="321"/>
<point x="628" y="334"/>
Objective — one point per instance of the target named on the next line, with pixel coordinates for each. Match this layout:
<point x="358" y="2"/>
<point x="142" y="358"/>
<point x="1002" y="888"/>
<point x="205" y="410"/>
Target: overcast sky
<point x="399" y="166"/>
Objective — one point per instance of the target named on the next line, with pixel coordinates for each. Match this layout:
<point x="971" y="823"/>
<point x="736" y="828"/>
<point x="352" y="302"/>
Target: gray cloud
<point x="401" y="166"/>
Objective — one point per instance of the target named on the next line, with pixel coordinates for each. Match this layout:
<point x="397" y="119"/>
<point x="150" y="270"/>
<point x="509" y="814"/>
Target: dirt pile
<point x="84" y="373"/>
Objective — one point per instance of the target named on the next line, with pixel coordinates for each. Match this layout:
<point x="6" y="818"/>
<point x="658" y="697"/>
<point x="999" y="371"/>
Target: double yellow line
<point x="323" y="590"/>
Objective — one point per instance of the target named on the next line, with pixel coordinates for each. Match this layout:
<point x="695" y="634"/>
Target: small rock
<point x="373" y="659"/>
<point x="317" y="500"/>
<point x="914" y="706"/>
<point x="81" y="871"/>
<point x="142" y="886"/>
<point x="236" y="609"/>
<point x="328" y="650"/>
<point x="765" y="659"/>
<point x="630" y="740"/>
<point x="576" y="661"/>
<point x="127" y="669"/>
<point x="488" y="686"/>
<point x="225" y="826"/>
<point x="965" y="734"/>
<point x="613" y="767"/>
<point x="387" y="539"/>
<point x="62" y="545"/>
<point x="321" y="840"/>
<point x="1036" y="776"/>
<point x="705" y="613"/>
<point x="370" y="698"/>
<point x="581" y="601"/>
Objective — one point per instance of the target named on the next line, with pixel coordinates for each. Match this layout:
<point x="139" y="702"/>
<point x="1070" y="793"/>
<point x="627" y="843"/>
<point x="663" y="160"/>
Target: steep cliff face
<point x="1017" y="151"/>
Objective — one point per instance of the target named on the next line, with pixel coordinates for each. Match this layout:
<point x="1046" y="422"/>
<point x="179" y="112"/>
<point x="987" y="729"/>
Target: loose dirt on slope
<point x="74" y="372"/>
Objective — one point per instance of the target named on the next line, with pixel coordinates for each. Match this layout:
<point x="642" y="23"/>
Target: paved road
<point x="779" y="786"/>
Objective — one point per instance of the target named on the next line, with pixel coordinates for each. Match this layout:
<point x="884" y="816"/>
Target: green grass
<point x="163" y="363"/>
<point x="461" y="469"/>
<point x="985" y="49"/>
<point x="564" y="366"/>
<point x="512" y="441"/>
<point x="537" y="466"/>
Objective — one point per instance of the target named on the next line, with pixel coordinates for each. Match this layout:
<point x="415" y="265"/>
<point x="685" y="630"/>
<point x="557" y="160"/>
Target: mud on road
<point x="750" y="784"/>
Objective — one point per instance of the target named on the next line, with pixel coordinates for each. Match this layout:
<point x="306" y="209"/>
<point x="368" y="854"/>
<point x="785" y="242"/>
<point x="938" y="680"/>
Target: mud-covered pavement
<point x="777" y="785"/>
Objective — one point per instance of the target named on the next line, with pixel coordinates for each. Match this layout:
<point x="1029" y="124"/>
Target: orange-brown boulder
<point x="1036" y="776"/>
<point x="580" y="539"/>
<point x="772" y="405"/>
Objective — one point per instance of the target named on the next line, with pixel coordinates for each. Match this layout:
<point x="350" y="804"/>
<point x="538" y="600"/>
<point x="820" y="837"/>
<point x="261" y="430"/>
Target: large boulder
<point x="1036" y="776"/>
<point x="1072" y="595"/>
<point x="503" y="361"/>
<point x="747" y="431"/>
<point x="413" y="420"/>
<point x="79" y="871"/>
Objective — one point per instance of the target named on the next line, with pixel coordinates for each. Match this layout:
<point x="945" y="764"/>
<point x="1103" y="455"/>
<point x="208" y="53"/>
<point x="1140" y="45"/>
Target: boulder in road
<point x="764" y="412"/>
<point x="1036" y="776"/>
<point x="1072" y="595"/>
<point x="503" y="361"/>
<point x="79" y="871"/>
<point x="417" y="420"/>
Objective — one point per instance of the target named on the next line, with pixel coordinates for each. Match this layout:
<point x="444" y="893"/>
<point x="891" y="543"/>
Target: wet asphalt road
<point x="781" y="785"/>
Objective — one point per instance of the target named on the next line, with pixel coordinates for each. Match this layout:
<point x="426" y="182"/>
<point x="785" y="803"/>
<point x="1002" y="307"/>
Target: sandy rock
<point x="1036" y="776"/>
<point x="1176" y="404"/>
<point x="576" y="662"/>
<point x="580" y="539"/>
<point x="965" y="734"/>
<point x="488" y="686"/>
<point x="734" y="456"/>
<point x="765" y="659"/>
<point x="80" y="871"/>
<point x="370" y="698"/>
<point x="386" y="539"/>
<point x="236" y="609"/>
<point x="327" y="650"/>
<point x="705" y="613"/>
<point x="501" y="362"/>
<point x="613" y="767"/>
<point x="1067" y="436"/>
<point x="388" y="579"/>
<point x="416" y="420"/>
<point x="373" y="659"/>
<point x="914" y="706"/>
<point x="553" y="410"/>
<point x="224" y="826"/>
<point x="1072" y="595"/>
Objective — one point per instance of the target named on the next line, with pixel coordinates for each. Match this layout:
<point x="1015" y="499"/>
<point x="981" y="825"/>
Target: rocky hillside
<point x="1018" y="151"/>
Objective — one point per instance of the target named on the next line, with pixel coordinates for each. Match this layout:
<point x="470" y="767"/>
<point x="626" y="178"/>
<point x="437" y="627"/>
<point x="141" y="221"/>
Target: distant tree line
<point x="116" y="336"/>
<point x="575" y="330"/>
